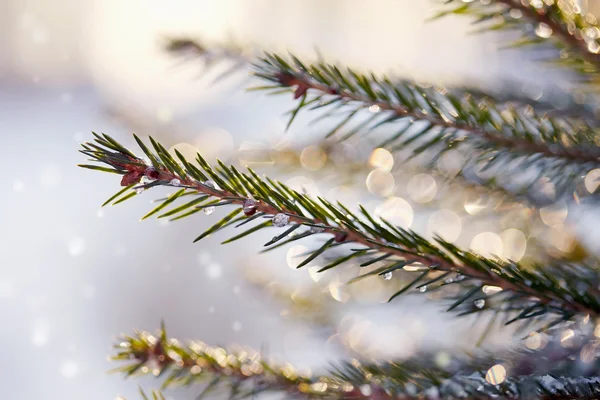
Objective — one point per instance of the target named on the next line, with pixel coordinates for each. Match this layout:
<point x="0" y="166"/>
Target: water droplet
<point x="209" y="210"/>
<point x="423" y="289"/>
<point x="249" y="206"/>
<point x="387" y="276"/>
<point x="139" y="190"/>
<point x="479" y="303"/>
<point x="280" y="220"/>
<point x="449" y="280"/>
<point x="175" y="182"/>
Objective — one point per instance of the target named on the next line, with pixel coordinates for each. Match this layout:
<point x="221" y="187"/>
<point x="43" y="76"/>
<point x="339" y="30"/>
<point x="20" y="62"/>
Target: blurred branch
<point x="245" y="373"/>
<point x="437" y="120"/>
<point x="212" y="54"/>
<point x="559" y="23"/>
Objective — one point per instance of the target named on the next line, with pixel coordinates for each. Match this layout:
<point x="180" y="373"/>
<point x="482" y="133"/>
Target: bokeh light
<point x="422" y="188"/>
<point x="397" y="211"/>
<point x="313" y="158"/>
<point x="487" y="244"/>
<point x="446" y="224"/>
<point x="380" y="182"/>
<point x="381" y="158"/>
<point x="592" y="180"/>
<point x="496" y="375"/>
<point x="514" y="244"/>
<point x="450" y="163"/>
<point x="554" y="214"/>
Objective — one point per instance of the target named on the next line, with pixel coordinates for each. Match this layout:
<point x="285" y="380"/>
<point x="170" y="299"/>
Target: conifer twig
<point x="527" y="292"/>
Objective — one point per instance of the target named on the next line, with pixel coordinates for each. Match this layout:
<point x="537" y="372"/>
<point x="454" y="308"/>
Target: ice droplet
<point x="387" y="276"/>
<point x="280" y="220"/>
<point x="209" y="210"/>
<point x="249" y="207"/>
<point x="175" y="182"/>
<point x="479" y="303"/>
<point x="423" y="289"/>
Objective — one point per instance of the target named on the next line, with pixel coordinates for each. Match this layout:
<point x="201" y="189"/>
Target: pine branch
<point x="246" y="373"/>
<point x="562" y="290"/>
<point x="561" y="24"/>
<point x="437" y="120"/>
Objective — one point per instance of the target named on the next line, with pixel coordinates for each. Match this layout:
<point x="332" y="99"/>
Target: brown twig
<point x="136" y="169"/>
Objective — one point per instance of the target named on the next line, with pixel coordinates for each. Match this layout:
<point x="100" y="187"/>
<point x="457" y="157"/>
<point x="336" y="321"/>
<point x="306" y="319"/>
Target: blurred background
<point x="72" y="275"/>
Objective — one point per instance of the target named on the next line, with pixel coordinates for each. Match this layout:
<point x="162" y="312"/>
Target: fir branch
<point x="438" y="120"/>
<point x="528" y="292"/>
<point x="246" y="373"/>
<point x="561" y="24"/>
